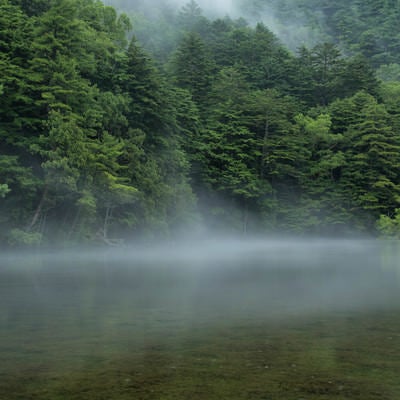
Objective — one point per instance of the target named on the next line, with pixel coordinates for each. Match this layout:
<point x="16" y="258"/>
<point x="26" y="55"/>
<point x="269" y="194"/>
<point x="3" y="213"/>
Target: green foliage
<point x="19" y="190"/>
<point x="193" y="67"/>
<point x="324" y="75"/>
<point x="86" y="120"/>
<point x="389" y="227"/>
<point x="18" y="237"/>
<point x="389" y="72"/>
<point x="101" y="141"/>
<point x="4" y="189"/>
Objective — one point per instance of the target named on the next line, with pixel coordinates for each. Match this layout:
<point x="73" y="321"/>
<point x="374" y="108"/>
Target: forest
<point x="137" y="120"/>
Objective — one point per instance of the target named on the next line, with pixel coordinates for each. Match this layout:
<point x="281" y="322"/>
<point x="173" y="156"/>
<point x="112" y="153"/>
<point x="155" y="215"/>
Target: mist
<point x="292" y="31"/>
<point x="135" y="318"/>
<point x="267" y="277"/>
<point x="213" y="8"/>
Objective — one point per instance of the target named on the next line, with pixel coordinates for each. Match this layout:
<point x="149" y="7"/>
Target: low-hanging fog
<point x="105" y="308"/>
<point x="266" y="278"/>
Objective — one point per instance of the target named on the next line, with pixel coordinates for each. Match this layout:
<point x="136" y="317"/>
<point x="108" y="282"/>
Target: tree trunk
<point x="264" y="147"/>
<point x="245" y="216"/>
<point x="74" y="223"/>
<point x="107" y="218"/>
<point x="38" y="210"/>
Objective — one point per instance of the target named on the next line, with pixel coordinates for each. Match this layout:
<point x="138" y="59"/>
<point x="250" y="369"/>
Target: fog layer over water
<point x="234" y="278"/>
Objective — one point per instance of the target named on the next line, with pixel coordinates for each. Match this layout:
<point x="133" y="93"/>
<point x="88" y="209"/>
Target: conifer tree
<point x="193" y="67"/>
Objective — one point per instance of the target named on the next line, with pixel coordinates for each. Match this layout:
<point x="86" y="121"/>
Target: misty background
<point x="291" y="21"/>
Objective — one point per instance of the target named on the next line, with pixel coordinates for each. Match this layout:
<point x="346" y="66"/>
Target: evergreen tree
<point x="193" y="68"/>
<point x="140" y="82"/>
<point x="374" y="161"/>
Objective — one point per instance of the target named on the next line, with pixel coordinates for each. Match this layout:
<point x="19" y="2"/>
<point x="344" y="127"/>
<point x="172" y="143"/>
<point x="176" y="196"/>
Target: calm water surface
<point x="213" y="320"/>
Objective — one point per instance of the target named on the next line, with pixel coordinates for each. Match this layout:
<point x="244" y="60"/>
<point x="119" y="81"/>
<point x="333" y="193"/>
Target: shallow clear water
<point x="219" y="319"/>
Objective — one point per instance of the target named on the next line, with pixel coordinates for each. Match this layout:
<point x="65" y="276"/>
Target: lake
<point x="218" y="319"/>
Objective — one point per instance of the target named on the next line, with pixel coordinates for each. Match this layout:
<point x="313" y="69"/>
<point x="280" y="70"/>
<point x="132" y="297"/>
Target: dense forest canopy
<point x="363" y="27"/>
<point x="148" y="119"/>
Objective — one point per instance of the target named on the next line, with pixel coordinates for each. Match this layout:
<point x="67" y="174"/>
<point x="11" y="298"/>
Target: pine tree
<point x="193" y="68"/>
